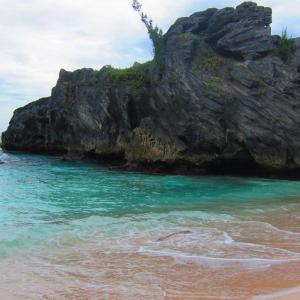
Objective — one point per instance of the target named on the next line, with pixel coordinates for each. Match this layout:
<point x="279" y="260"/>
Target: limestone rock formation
<point x="226" y="102"/>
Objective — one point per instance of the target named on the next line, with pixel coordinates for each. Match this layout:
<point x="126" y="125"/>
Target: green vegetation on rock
<point x="186" y="37"/>
<point x="208" y="60"/>
<point x="212" y="62"/>
<point x="134" y="77"/>
<point x="70" y="91"/>
<point x="215" y="87"/>
<point x="285" y="45"/>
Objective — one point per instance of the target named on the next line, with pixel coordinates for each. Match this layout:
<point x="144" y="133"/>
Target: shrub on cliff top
<point x="134" y="77"/>
<point x="285" y="45"/>
<point x="136" y="72"/>
<point x="155" y="34"/>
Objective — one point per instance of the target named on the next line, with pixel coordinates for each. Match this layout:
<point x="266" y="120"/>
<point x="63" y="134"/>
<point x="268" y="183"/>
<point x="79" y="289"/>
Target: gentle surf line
<point x="209" y="258"/>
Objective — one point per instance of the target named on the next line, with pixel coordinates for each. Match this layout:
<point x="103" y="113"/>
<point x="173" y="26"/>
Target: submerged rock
<point x="225" y="103"/>
<point x="164" y="238"/>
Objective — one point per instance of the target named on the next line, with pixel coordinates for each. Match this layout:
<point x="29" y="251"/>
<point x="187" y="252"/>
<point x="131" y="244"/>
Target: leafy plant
<point x="285" y="45"/>
<point x="155" y="34"/>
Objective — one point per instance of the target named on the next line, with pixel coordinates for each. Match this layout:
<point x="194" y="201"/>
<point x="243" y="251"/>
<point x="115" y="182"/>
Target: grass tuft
<point x="285" y="45"/>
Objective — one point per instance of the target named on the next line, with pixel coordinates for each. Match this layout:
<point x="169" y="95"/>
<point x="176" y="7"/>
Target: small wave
<point x="277" y="229"/>
<point x="215" y="245"/>
<point x="202" y="258"/>
<point x="264" y="249"/>
<point x="5" y="158"/>
<point x="201" y="215"/>
<point x="269" y="226"/>
<point x="228" y="239"/>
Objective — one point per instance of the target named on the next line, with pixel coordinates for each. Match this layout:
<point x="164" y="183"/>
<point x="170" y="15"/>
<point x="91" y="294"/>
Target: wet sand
<point x="290" y="294"/>
<point x="137" y="277"/>
<point x="215" y="260"/>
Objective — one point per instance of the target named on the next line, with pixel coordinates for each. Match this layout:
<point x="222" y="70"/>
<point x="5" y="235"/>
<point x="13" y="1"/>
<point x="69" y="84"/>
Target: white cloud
<point x="40" y="37"/>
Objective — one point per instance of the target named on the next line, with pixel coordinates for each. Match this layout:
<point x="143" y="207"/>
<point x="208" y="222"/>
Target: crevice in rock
<point x="132" y="114"/>
<point x="242" y="164"/>
<point x="111" y="159"/>
<point x="236" y="167"/>
<point x="234" y="55"/>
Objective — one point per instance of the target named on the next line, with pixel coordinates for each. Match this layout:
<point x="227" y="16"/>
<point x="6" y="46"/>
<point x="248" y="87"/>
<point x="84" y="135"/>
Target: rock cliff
<point x="226" y="102"/>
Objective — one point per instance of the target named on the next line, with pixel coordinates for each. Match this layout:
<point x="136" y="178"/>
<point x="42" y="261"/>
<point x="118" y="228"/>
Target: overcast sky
<point x="39" y="37"/>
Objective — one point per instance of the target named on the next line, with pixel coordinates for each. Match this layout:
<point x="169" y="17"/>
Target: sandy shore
<point x="288" y="294"/>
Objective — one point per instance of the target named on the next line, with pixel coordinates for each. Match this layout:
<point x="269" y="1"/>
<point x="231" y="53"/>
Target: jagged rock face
<point x="243" y="33"/>
<point x="226" y="101"/>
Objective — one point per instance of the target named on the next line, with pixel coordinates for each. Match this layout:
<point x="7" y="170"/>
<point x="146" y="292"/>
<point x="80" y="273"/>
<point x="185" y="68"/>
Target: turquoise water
<point x="49" y="207"/>
<point x="41" y="197"/>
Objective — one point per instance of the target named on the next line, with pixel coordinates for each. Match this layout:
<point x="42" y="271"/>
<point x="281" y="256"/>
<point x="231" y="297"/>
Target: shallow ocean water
<point x="80" y="231"/>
